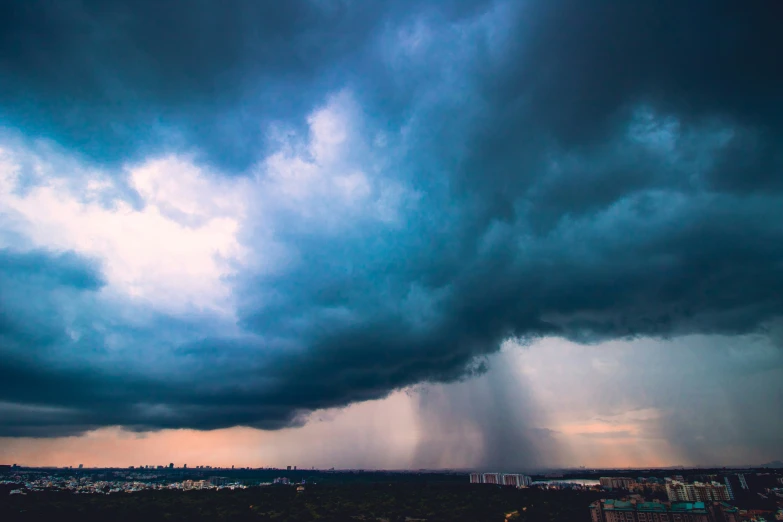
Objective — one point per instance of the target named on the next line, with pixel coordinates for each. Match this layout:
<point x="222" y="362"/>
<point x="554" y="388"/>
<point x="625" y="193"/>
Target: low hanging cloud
<point x="298" y="220"/>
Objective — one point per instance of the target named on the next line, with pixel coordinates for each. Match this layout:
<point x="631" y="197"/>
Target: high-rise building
<point x="171" y="465"/>
<point x="712" y="491"/>
<point x="516" y="480"/>
<point x="491" y="478"/>
<point x="81" y="466"/>
<point x="743" y="483"/>
<point x="288" y="468"/>
<point x="476" y="478"/>
<point x="680" y="492"/>
<point x="728" y="488"/>
<point x="697" y="492"/>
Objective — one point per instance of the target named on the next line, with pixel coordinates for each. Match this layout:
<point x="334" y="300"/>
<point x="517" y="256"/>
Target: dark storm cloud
<point x="601" y="170"/>
<point x="30" y="284"/>
<point x="117" y="80"/>
<point x="110" y="78"/>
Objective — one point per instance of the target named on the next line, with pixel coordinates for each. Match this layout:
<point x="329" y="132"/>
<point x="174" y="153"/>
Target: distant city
<point x="696" y="495"/>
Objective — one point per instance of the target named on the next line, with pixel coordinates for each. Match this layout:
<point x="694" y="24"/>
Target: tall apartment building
<point x="728" y="488"/>
<point x="616" y="482"/>
<point x="505" y="479"/>
<point x="713" y="491"/>
<point x="680" y="492"/>
<point x="491" y="478"/>
<point x="516" y="480"/>
<point x="697" y="492"/>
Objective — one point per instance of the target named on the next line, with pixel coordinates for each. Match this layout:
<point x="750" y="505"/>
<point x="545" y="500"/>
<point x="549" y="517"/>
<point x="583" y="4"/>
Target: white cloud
<point x="325" y="180"/>
<point x="172" y="253"/>
<point x="194" y="228"/>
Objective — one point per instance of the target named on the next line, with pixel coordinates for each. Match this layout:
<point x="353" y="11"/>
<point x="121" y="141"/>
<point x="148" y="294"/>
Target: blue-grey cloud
<point x="118" y="80"/>
<point x="584" y="170"/>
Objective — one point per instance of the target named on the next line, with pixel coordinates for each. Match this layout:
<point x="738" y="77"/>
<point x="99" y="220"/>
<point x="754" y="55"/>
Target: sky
<point x="435" y="234"/>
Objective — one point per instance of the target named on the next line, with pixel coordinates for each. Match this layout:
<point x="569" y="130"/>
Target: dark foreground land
<point x="394" y="502"/>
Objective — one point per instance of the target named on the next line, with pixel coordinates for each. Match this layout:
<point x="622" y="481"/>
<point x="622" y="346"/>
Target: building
<point x="722" y="512"/>
<point x="697" y="492"/>
<point x="171" y="465"/>
<point x="616" y="482"/>
<point x="680" y="492"/>
<point x="713" y="491"/>
<point x="288" y="468"/>
<point x="516" y="480"/>
<point x="476" y="478"/>
<point x="689" y="512"/>
<point x="728" y="488"/>
<point x="491" y="478"/>
<point x="743" y="483"/>
<point x="634" y="511"/>
<point x="81" y="466"/>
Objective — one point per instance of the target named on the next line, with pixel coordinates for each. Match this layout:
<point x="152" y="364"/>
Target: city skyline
<point x="460" y="234"/>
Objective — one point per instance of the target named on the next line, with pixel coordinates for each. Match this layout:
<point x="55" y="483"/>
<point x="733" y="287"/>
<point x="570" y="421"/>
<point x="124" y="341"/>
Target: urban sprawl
<point x="722" y="496"/>
<point x="704" y="498"/>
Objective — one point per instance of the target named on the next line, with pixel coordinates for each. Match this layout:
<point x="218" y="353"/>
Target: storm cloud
<point x="280" y="208"/>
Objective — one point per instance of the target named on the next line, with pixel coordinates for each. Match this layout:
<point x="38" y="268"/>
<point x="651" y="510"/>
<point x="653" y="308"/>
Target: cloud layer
<point x="235" y="216"/>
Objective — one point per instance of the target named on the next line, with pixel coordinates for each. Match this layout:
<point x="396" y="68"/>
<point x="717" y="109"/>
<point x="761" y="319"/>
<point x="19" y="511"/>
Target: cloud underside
<point x="437" y="179"/>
